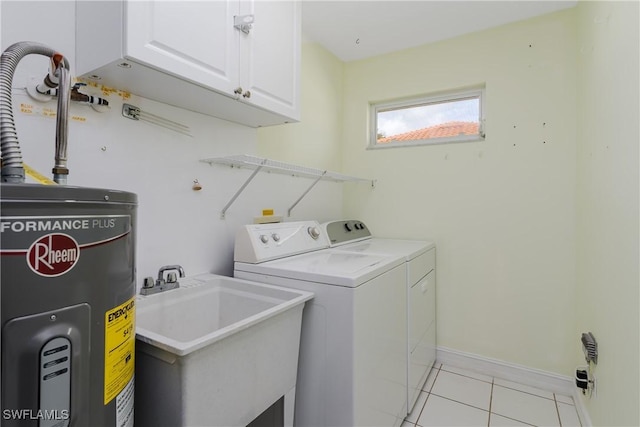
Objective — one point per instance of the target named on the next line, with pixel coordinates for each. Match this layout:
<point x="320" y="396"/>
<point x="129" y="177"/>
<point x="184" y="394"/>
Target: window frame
<point x="423" y="100"/>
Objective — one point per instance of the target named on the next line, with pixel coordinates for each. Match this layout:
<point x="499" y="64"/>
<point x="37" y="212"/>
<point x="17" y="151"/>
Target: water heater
<point x="67" y="281"/>
<point x="68" y="307"/>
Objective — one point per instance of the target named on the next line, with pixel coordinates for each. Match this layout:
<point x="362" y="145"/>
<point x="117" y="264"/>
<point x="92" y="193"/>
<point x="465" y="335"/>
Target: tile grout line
<point x="557" y="409"/>
<point x="514" y="419"/>
<point x="573" y="405"/>
<point x="504" y="416"/>
<point x="490" y="403"/>
<point x="526" y="392"/>
<point x="490" y="410"/>
<point x="428" y="394"/>
<point x="467" y="376"/>
<point x="434" y="380"/>
<point x="459" y="402"/>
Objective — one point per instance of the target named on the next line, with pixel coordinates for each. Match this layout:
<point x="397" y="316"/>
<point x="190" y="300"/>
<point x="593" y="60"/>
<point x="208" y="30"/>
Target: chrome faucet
<point x="150" y="287"/>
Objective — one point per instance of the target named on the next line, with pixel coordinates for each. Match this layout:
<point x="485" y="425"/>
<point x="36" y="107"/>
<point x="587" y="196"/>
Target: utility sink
<point x="217" y="351"/>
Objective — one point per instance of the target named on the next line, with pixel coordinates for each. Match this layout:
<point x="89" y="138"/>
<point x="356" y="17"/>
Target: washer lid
<point x="333" y="267"/>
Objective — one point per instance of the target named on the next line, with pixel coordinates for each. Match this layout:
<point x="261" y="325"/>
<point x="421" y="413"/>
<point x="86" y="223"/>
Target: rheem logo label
<point x="53" y="255"/>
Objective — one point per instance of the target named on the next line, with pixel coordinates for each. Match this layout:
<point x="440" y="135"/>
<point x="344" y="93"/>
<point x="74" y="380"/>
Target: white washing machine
<point x="352" y="365"/>
<point x="419" y="256"/>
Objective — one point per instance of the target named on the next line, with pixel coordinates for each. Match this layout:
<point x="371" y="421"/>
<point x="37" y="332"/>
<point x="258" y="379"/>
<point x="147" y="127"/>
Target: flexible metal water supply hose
<point x="60" y="171"/>
<point x="12" y="169"/>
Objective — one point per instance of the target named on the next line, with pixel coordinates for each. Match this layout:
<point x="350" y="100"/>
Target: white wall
<point x="316" y="140"/>
<point x="175" y="223"/>
<point x="502" y="211"/>
<point x="608" y="189"/>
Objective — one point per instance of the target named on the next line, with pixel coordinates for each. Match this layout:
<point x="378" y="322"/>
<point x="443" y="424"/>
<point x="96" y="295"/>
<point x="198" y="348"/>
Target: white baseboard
<point x="517" y="373"/>
<point x="585" y="419"/>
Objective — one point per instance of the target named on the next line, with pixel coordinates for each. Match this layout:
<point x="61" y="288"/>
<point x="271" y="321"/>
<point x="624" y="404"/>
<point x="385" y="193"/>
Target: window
<point x="437" y="119"/>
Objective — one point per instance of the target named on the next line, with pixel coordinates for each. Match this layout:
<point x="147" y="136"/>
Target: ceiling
<point x="357" y="29"/>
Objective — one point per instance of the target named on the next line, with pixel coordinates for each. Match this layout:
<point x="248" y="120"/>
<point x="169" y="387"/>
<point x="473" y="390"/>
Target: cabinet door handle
<point x="247" y="94"/>
<point x="238" y="91"/>
<point x="243" y="23"/>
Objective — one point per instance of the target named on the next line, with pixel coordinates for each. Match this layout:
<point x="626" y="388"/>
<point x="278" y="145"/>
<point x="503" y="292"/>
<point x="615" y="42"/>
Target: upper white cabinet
<point x="193" y="40"/>
<point x="271" y="44"/>
<point x="190" y="54"/>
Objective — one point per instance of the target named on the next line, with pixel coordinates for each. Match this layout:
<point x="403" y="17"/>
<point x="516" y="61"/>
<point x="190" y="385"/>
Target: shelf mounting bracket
<point x="313" y="184"/>
<point x="241" y="189"/>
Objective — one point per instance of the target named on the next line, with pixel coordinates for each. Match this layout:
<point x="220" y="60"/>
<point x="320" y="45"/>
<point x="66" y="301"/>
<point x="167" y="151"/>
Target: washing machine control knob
<point x="264" y="238"/>
<point x="275" y="237"/>
<point x="347" y="226"/>
<point x="313" y="232"/>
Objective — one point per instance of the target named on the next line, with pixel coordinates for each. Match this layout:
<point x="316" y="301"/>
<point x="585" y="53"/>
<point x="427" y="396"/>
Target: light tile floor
<point x="457" y="397"/>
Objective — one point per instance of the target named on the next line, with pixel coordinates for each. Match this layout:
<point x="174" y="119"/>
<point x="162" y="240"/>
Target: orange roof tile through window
<point x="444" y="130"/>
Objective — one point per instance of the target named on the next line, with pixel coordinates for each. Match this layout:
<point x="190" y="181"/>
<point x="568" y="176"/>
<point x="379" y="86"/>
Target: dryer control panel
<point x="256" y="243"/>
<point x="345" y="231"/>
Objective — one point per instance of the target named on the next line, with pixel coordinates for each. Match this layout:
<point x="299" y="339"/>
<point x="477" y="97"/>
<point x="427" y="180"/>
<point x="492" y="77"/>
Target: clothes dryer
<point x="419" y="257"/>
<point x="352" y="364"/>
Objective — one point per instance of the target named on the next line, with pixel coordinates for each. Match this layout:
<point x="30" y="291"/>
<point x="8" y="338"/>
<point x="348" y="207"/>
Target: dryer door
<point x="422" y="326"/>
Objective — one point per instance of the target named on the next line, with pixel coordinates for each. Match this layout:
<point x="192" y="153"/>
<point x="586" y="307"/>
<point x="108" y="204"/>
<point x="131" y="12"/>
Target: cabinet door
<point x="270" y="56"/>
<point x="194" y="40"/>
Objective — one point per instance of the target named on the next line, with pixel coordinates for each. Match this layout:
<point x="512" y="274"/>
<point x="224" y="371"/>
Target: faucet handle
<point x="148" y="283"/>
<point x="172" y="277"/>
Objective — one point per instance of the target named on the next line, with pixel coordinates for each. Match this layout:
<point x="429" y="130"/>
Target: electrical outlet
<point x="582" y="379"/>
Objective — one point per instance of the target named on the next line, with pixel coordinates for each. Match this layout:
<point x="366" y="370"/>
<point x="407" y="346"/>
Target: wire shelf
<point x="258" y="164"/>
<point x="267" y="165"/>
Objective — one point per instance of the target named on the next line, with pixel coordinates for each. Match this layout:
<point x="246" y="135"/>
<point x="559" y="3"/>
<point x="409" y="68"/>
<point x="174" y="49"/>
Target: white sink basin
<point x="220" y="350"/>
<point x="208" y="308"/>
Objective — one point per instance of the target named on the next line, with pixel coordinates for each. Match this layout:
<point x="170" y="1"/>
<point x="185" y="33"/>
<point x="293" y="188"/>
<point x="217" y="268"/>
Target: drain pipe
<point x="12" y="169"/>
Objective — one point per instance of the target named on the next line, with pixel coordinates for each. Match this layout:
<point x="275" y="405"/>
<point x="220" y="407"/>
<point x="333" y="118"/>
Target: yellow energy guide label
<point x="119" y="348"/>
